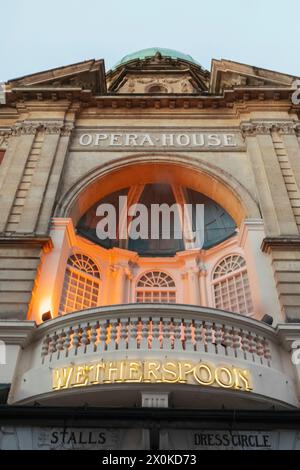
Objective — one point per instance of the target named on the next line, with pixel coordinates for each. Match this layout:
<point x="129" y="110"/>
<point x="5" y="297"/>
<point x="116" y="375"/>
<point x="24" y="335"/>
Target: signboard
<point x="67" y="438"/>
<point x="151" y="371"/>
<point x="229" y="439"/>
<point x="153" y="139"/>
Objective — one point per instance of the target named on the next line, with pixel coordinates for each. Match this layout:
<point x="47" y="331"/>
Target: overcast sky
<point x="37" y="35"/>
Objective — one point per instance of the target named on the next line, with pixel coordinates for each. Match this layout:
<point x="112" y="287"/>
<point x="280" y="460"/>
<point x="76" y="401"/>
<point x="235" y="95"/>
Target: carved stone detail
<point x="49" y="127"/>
<point x="265" y="127"/>
<point x="4" y="136"/>
<point x="25" y="128"/>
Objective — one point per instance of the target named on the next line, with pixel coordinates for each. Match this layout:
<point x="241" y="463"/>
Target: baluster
<point x="227" y="341"/>
<point x="252" y="346"/>
<point x="52" y="345"/>
<point x="260" y="350"/>
<point x="45" y="349"/>
<point x="144" y="328"/>
<point x="167" y="340"/>
<point x="68" y="341"/>
<point x="189" y="336"/>
<point x="155" y="332"/>
<point x="150" y="334"/>
<point x="199" y="344"/>
<point x="110" y="335"/>
<point x="118" y="333"/>
<point x="60" y="343"/>
<point x="161" y="333"/>
<point x="76" y="341"/>
<point x="101" y="347"/>
<point x="245" y="343"/>
<point x="123" y="334"/>
<point x="210" y="346"/>
<point x="218" y="339"/>
<point x="85" y="340"/>
<point x="172" y="333"/>
<point x="139" y="327"/>
<point x="132" y="334"/>
<point x="182" y="329"/>
<point x="93" y="336"/>
<point x="236" y="342"/>
<point x="177" y="335"/>
<point x="267" y="352"/>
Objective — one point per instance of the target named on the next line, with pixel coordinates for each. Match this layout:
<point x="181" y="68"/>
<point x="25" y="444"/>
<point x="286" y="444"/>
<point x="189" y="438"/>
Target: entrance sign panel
<point x="167" y="139"/>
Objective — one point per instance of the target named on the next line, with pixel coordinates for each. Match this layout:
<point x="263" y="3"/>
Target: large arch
<point x="203" y="177"/>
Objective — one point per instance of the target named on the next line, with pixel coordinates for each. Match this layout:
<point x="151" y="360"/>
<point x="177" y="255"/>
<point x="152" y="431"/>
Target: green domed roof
<point x="151" y="51"/>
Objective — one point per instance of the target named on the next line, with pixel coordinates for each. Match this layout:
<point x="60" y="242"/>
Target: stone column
<point x="17" y="153"/>
<point x="259" y="268"/>
<point x="52" y="270"/>
<point x="119" y="283"/>
<point x="203" y="286"/>
<point x="273" y="197"/>
<point x="292" y="147"/>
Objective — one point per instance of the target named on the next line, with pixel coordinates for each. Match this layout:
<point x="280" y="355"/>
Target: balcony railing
<point x="157" y="328"/>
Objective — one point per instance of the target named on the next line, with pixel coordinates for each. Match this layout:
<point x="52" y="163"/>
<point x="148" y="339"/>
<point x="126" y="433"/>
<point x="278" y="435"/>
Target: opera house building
<point x="144" y="339"/>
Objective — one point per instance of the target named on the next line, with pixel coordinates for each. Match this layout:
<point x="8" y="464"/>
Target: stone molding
<point x="266" y="127"/>
<point x="286" y="243"/>
<point x="49" y="127"/>
<point x="4" y="136"/>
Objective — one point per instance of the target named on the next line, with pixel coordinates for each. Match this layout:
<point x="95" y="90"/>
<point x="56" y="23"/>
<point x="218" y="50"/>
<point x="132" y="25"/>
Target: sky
<point x="37" y="35"/>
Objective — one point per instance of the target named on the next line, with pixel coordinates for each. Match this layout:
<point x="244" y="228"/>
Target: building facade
<point x="152" y="342"/>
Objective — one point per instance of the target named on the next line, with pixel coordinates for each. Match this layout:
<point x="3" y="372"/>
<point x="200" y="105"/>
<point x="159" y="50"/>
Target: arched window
<point x="156" y="287"/>
<point x="231" y="285"/>
<point x="81" y="284"/>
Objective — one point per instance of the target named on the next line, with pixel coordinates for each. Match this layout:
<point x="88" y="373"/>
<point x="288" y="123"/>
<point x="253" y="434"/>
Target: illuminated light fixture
<point x="46" y="316"/>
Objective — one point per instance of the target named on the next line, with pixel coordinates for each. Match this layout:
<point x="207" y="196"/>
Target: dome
<point x="151" y="51"/>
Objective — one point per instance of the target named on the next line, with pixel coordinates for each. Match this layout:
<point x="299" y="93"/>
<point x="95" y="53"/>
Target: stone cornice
<point x="275" y="243"/>
<point x="16" y="332"/>
<point x="238" y="96"/>
<point x="23" y="240"/>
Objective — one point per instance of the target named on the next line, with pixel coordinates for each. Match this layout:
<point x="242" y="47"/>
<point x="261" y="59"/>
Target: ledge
<point x="43" y="241"/>
<point x="268" y="243"/>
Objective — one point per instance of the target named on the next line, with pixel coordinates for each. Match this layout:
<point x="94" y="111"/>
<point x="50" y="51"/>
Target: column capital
<point x="4" y="136"/>
<point x="264" y="127"/>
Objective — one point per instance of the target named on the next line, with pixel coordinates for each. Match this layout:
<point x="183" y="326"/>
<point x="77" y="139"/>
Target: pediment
<point x="88" y="75"/>
<point x="226" y="74"/>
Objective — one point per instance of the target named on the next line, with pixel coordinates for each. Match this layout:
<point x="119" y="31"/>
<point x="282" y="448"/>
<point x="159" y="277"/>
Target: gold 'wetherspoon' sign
<point x="151" y="371"/>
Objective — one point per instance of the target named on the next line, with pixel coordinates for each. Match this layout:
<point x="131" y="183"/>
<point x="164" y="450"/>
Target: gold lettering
<point x="224" y="377"/>
<point x="185" y="368"/>
<point x="242" y="380"/>
<point x="61" y="377"/>
<point x="152" y="371"/>
<point x="170" y="369"/>
<point x="203" y="374"/>
<point x="134" y="372"/>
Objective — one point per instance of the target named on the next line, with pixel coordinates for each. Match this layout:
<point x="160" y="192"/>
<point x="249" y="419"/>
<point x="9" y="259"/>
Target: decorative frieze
<point x="265" y="127"/>
<point x="4" y="136"/>
<point x="49" y="127"/>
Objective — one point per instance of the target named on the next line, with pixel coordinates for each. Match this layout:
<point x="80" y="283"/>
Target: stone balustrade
<point x="156" y="327"/>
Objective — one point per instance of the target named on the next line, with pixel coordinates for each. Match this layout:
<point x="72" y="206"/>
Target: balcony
<point x="195" y="340"/>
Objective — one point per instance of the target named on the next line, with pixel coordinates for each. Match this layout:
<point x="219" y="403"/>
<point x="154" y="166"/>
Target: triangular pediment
<point x="226" y="74"/>
<point x="88" y="75"/>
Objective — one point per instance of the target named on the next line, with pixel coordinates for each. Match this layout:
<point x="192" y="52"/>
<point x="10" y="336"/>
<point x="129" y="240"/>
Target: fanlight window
<point x="81" y="284"/>
<point x="156" y="287"/>
<point x="231" y="285"/>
